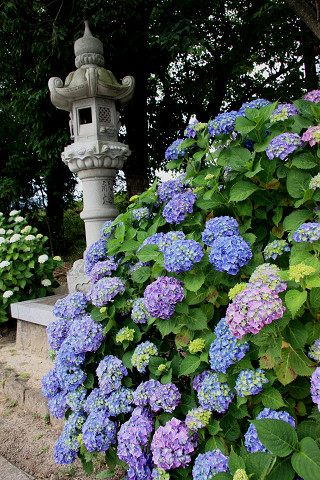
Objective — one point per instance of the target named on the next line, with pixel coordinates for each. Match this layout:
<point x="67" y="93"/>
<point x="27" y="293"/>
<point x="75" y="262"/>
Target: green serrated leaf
<point x="242" y="190"/>
<point x="258" y="464"/>
<point x="295" y="299"/>
<point x="141" y="275"/>
<point x="271" y="398"/>
<point x="277" y="436"/>
<point x="306" y="462"/>
<point x="194" y="281"/>
<point x="189" y="365"/>
<point x="282" y="469"/>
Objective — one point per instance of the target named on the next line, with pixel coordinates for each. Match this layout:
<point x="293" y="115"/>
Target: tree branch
<point x="308" y="12"/>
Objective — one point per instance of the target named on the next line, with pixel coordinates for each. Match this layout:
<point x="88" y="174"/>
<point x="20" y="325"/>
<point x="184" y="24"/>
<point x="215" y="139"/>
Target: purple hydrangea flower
<point x="177" y="208"/>
<point x="219" y="227"/>
<point x="224" y="351"/>
<point x="161" y="296"/>
<point x="251" y="440"/>
<point x="67" y="355"/>
<point x="176" y="150"/>
<point x="152" y="240"/>
<point x="97" y="400"/>
<point x="141" y="355"/>
<point x="105" y="290"/>
<point x="284" y="144"/>
<point x="119" y="401"/>
<point x="57" y="332"/>
<point x="143" y="393"/>
<point x="98" y="432"/>
<point x="250" y="382"/>
<point x="166" y="397"/>
<point x="193" y="128"/>
<point x="269" y="276"/>
<point x="197" y="418"/>
<point x="315" y="387"/>
<point x="282" y="112"/>
<point x="102" y="269"/>
<point x="214" y="395"/>
<point x="314" y="351"/>
<point x="275" y="248"/>
<point x="140" y="214"/>
<point x="207" y="465"/>
<point x="107" y="229"/>
<point x="307" y="232"/>
<point x="139" y="313"/>
<point x="75" y="399"/>
<point x="62" y="454"/>
<point x="133" y="435"/>
<point x="169" y="238"/>
<point x="182" y="255"/>
<point x="170" y="188"/>
<point x="58" y="405"/>
<point x="171" y="445"/>
<point x="85" y="335"/>
<point x="97" y="251"/>
<point x="110" y="372"/>
<point x="258" y="103"/>
<point x="230" y="254"/>
<point x="313" y="96"/>
<point x="50" y="384"/>
<point x="198" y="379"/>
<point x="71" y="306"/>
<point x="223" y="123"/>
<point x="251" y="309"/>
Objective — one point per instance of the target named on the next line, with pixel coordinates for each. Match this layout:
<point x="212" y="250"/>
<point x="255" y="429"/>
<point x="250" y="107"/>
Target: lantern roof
<point x="90" y="79"/>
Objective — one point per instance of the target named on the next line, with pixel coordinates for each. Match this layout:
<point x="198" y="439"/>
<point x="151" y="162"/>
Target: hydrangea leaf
<point x="269" y="167"/>
<point x="294" y="300"/>
<point x="308" y="428"/>
<point x="306" y="462"/>
<point x="298" y="183"/>
<point x="194" y="281"/>
<point x="300" y="388"/>
<point x="258" y="464"/>
<point x="279" y="437"/>
<point x="189" y="365"/>
<point x="235" y="462"/>
<point x="295" y="219"/>
<point x="271" y="398"/>
<point x="244" y="125"/>
<point x="304" y="161"/>
<point x="283" y="370"/>
<point x="282" y="469"/>
<point x="215" y="443"/>
<point x="296" y="334"/>
<point x="141" y="275"/>
<point x="148" y="252"/>
<point x="241" y="190"/>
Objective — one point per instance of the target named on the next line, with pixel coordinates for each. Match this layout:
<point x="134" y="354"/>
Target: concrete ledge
<point x="37" y="311"/>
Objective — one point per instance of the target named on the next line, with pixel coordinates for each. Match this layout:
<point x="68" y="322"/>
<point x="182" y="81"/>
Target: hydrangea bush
<point x="25" y="266"/>
<point x="195" y="354"/>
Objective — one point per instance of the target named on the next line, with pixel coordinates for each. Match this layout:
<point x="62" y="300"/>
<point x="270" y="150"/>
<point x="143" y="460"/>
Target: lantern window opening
<point x="85" y="115"/>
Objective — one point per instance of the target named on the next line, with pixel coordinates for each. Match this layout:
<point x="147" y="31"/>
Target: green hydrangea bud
<point x="240" y="474"/>
<point x="162" y="368"/>
<point x="103" y="309"/>
<point x="236" y="289"/>
<point x="296" y="272"/>
<point x="197" y="345"/>
<point x="125" y="334"/>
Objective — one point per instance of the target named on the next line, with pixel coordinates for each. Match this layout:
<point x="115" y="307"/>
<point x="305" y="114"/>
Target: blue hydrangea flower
<point x="230" y="254"/>
<point x="219" y="227"/>
<point x="58" y="405"/>
<point x="140" y="214"/>
<point x="315" y="387"/>
<point x="152" y="240"/>
<point x="182" y="255"/>
<point x="97" y="400"/>
<point x="67" y="355"/>
<point x="207" y="465"/>
<point x="57" y="332"/>
<point x="71" y="306"/>
<point x="139" y="313"/>
<point x="119" y="401"/>
<point x="268" y="275"/>
<point x="282" y="112"/>
<point x="110" y="372"/>
<point x="166" y="397"/>
<point x="107" y="229"/>
<point x="176" y="150"/>
<point x="75" y="399"/>
<point x="275" y="248"/>
<point x="221" y="328"/>
<point x="198" y="379"/>
<point x="307" y="232"/>
<point x="50" y="384"/>
<point x="223" y="123"/>
<point x="102" y="269"/>
<point x="62" y="454"/>
<point x="98" y="432"/>
<point x="133" y="435"/>
<point x="224" y="351"/>
<point x="197" y="418"/>
<point x="177" y="208"/>
<point x="161" y="296"/>
<point x="314" y="351"/>
<point x="69" y="377"/>
<point x="171" y="445"/>
<point x="193" y="128"/>
<point x="85" y="335"/>
<point x="169" y="238"/>
<point x="251" y="440"/>
<point x="250" y="382"/>
<point x="97" y="251"/>
<point x="214" y="395"/>
<point x="143" y="393"/>
<point x="170" y="188"/>
<point x="141" y="355"/>
<point x="258" y="103"/>
<point x="284" y="144"/>
<point x="105" y="290"/>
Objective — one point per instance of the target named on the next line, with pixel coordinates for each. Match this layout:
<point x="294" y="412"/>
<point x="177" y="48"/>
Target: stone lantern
<point x="91" y="94"/>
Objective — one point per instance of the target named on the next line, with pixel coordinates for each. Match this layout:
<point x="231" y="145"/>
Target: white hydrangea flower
<point x="7" y="293"/>
<point x="39" y="235"/>
<point x="19" y="219"/>
<point x="4" y="264"/>
<point x="30" y="237"/>
<point x="43" y="258"/>
<point x="26" y="229"/>
<point x="2" y="240"/>
<point x="9" y="231"/>
<point x="15" y="238"/>
<point x="2" y="231"/>
<point x="46" y="282"/>
<point x="57" y="258"/>
<point x="1" y="214"/>
<point x="13" y="213"/>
